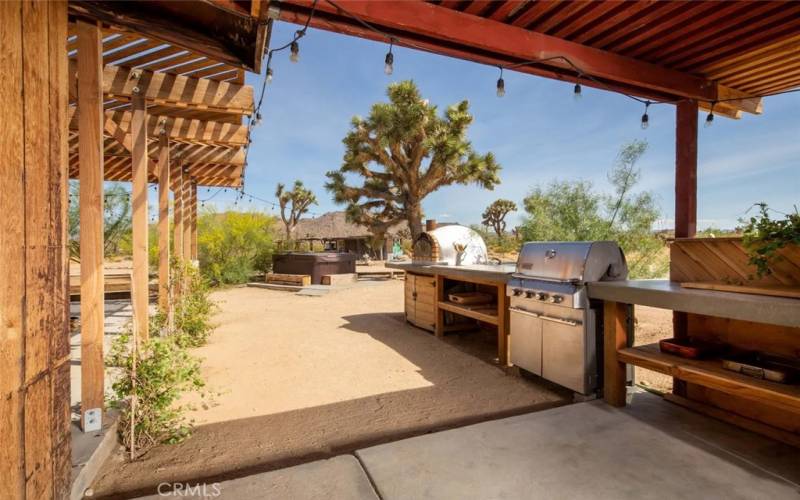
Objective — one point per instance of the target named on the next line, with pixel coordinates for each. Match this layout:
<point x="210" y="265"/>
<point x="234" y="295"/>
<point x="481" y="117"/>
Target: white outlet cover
<point x="92" y="420"/>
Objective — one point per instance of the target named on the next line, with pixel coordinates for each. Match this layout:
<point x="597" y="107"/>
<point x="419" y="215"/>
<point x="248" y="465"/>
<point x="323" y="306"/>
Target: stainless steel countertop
<point x="490" y="272"/>
<point x="671" y="295"/>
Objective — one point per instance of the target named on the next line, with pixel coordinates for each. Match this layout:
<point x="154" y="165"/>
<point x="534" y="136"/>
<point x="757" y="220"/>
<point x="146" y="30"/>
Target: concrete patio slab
<point x="339" y="478"/>
<point x="650" y="450"/>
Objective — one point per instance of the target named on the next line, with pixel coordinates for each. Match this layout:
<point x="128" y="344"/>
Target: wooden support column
<point x="187" y="217"/>
<point x="686" y="169"/>
<point x="503" y="327"/>
<point x="194" y="221"/>
<point x="615" y="337"/>
<point x="163" y="223"/>
<point x="177" y="212"/>
<point x="90" y="150"/>
<point x="34" y="340"/>
<point x="685" y="198"/>
<point x="139" y="160"/>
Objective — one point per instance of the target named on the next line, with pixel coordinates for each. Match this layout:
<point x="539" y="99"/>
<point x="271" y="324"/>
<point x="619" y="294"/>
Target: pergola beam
<point x="175" y="91"/>
<point x="220" y="34"/>
<point x="176" y="128"/>
<point x="445" y="28"/>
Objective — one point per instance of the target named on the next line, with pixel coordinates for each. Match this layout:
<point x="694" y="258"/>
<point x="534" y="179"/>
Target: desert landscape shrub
<point x="151" y="379"/>
<point x="575" y="211"/>
<point x="232" y="246"/>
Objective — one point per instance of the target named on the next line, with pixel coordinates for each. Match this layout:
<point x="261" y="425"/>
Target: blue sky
<point x="538" y="132"/>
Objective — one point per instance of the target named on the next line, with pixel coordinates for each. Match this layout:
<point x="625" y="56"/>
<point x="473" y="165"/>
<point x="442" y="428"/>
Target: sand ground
<point x="300" y="378"/>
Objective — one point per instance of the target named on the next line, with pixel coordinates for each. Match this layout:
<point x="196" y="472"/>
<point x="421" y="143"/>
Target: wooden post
<point x="615" y="337"/>
<point x="90" y="150"/>
<point x="177" y="212"/>
<point x="187" y="217"/>
<point x="34" y="340"/>
<point x="139" y="161"/>
<point x="193" y="217"/>
<point x="686" y="169"/>
<point x="163" y="223"/>
<point x="503" y="320"/>
<point x="439" y="313"/>
<point x="685" y="198"/>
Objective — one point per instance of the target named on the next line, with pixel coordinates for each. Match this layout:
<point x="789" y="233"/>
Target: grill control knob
<point x="541" y="296"/>
<point x="517" y="292"/>
<point x="530" y="294"/>
<point x="555" y="299"/>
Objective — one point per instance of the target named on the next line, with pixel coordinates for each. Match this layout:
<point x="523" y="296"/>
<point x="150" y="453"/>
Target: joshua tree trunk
<point x="415" y="220"/>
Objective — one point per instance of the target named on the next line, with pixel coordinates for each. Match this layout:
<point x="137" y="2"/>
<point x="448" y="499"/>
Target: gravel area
<point x="301" y="378"/>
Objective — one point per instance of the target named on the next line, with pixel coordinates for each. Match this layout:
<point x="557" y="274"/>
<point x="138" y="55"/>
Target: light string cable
<point x="580" y="74"/>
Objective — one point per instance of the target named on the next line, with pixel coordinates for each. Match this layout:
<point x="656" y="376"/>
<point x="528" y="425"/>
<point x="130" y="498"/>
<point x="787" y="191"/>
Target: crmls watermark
<point x="185" y="490"/>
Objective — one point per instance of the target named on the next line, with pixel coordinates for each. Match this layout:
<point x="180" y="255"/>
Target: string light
<point x="710" y="117"/>
<point x="645" y="117"/>
<point x="576" y="94"/>
<point x="501" y="85"/>
<point x="269" y="75"/>
<point x="388" y="66"/>
<point x="295" y="51"/>
<point x="258" y="118"/>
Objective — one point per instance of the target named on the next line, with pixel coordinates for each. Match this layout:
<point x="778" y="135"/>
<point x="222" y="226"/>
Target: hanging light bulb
<point x="710" y="117"/>
<point x="258" y="118"/>
<point x="501" y="85"/>
<point x="645" y="117"/>
<point x="388" y="66"/>
<point x="576" y="94"/>
<point x="295" y="52"/>
<point x="269" y="75"/>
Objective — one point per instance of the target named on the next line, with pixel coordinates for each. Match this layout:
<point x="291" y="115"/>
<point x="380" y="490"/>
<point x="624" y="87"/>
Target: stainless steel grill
<point x="553" y="326"/>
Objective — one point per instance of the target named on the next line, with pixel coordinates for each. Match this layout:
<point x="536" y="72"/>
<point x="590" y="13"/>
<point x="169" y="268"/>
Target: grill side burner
<point x="554" y="330"/>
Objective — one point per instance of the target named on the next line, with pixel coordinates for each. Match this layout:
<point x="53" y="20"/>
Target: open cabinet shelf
<point x="710" y="373"/>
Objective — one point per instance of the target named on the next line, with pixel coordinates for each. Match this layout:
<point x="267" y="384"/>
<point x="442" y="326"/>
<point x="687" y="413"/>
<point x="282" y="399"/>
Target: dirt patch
<point x="302" y="378"/>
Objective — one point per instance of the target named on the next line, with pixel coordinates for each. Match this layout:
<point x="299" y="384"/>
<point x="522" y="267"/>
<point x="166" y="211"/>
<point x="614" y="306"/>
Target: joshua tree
<point x="402" y="152"/>
<point x="495" y="215"/>
<point x="300" y="199"/>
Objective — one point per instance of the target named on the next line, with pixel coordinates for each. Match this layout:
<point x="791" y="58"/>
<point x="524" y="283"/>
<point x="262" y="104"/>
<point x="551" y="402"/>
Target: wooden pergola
<point x="159" y="97"/>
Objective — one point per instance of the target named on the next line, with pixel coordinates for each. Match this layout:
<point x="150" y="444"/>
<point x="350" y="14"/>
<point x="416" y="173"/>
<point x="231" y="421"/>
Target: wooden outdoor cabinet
<point x="421" y="300"/>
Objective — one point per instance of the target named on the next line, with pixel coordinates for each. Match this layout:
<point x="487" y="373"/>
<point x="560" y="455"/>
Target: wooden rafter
<point x="177" y="128"/>
<point x="414" y="22"/>
<point x="175" y="91"/>
<point x="225" y="35"/>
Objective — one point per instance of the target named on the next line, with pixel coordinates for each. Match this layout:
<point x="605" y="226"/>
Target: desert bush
<point x="234" y="245"/>
<point x="192" y="306"/>
<point x="148" y="394"/>
<point x="574" y="211"/>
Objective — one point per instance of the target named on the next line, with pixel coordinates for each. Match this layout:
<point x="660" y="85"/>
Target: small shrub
<point x="192" y="307"/>
<point x="232" y="246"/>
<point x="164" y="372"/>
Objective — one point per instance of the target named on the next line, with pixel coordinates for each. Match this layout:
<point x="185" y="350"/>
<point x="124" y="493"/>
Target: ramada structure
<point x="154" y="92"/>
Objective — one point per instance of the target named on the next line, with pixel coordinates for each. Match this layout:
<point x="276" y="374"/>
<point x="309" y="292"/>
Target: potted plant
<point x="764" y="237"/>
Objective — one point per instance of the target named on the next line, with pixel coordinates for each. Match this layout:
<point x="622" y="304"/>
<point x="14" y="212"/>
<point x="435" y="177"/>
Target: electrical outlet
<point x="92" y="420"/>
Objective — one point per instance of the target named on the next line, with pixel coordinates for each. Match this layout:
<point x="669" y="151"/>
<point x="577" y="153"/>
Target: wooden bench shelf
<point x="710" y="373"/>
<point x="486" y="313"/>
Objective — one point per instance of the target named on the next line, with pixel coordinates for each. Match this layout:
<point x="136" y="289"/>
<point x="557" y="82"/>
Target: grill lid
<point x="574" y="261"/>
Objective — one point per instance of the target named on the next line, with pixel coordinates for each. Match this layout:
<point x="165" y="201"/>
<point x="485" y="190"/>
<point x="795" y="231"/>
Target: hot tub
<point x="314" y="264"/>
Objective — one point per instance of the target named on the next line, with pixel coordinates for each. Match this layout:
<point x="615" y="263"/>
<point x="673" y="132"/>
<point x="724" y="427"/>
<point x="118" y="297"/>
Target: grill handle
<point x="563" y="321"/>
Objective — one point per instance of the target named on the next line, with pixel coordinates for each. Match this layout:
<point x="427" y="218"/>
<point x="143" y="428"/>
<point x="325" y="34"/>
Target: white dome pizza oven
<point x="452" y="245"/>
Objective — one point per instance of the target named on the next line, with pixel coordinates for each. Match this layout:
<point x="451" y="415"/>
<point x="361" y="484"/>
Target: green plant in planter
<point x="764" y="237"/>
<point x="164" y="371"/>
